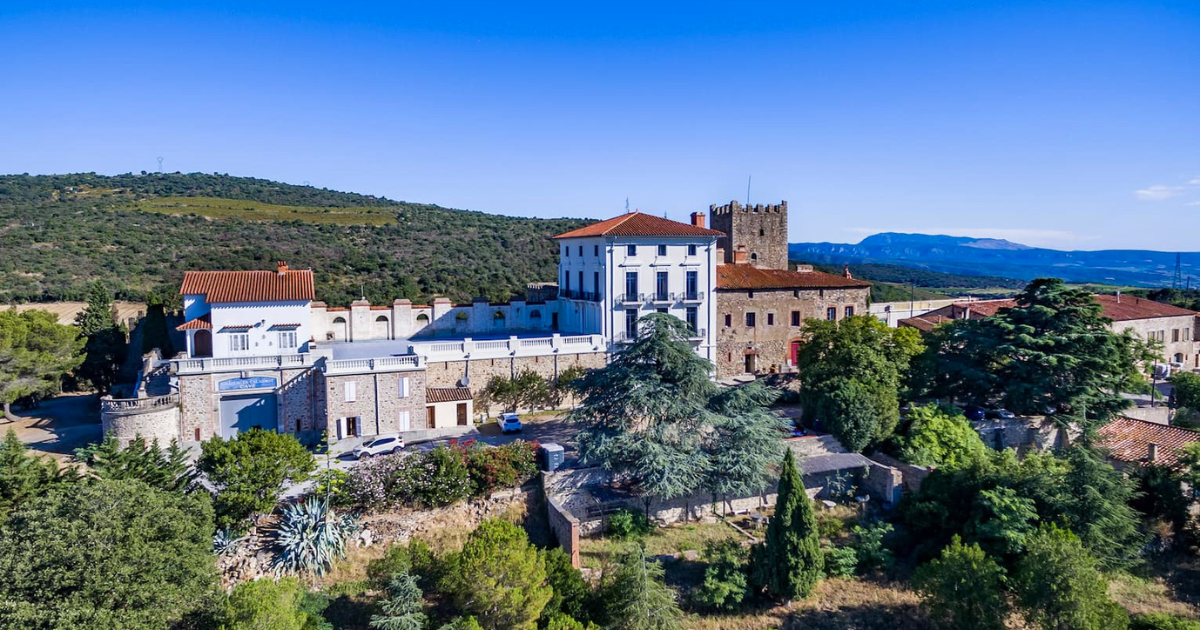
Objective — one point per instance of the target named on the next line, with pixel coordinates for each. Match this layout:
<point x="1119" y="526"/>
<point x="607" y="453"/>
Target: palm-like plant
<point x="225" y="542"/>
<point x="309" y="537"/>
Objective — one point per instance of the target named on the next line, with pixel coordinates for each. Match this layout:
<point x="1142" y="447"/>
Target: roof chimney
<point x="1118" y="296"/>
<point x="1151" y="452"/>
<point x="739" y="255"/>
<point x="698" y="219"/>
<point x="720" y="255"/>
<point x="846" y="272"/>
<point x="283" y="268"/>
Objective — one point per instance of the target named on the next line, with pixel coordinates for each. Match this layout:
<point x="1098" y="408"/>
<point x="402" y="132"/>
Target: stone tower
<point x="762" y="229"/>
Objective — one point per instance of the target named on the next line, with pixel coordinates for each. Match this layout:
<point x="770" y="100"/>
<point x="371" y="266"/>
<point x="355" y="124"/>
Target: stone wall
<point x="565" y="528"/>
<point x="160" y="424"/>
<point x="1176" y="334"/>
<point x="1022" y="434"/>
<point x="481" y="372"/>
<point x="912" y="476"/>
<point x="770" y="338"/>
<point x="199" y="407"/>
<point x="377" y="402"/>
<point x="761" y="229"/>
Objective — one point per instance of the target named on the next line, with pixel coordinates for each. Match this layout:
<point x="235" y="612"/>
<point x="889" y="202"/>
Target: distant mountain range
<point x="998" y="257"/>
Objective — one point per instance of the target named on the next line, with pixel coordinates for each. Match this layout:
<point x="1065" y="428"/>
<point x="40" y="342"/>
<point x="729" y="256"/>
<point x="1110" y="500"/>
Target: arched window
<point x="754" y="257"/>
<point x="423" y="319"/>
<point x="1178" y="357"/>
<point x="381" y="318"/>
<point x="339" y="329"/>
<point x="498" y="316"/>
<point x="339" y="320"/>
<point x="382" y="329"/>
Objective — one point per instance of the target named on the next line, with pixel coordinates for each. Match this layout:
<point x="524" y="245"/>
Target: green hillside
<point x="139" y="233"/>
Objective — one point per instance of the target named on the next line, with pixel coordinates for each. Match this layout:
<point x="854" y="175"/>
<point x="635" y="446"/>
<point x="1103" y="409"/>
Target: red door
<point x="795" y="351"/>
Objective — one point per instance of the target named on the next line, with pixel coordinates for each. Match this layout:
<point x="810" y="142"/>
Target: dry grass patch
<point x="1148" y="595"/>
<point x="662" y="541"/>
<point x="837" y="604"/>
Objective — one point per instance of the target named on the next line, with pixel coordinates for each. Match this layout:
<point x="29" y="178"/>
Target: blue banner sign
<point x="253" y="382"/>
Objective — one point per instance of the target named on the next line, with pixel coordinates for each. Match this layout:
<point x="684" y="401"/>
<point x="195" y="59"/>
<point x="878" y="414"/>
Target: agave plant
<point x="309" y="537"/>
<point x="225" y="542"/>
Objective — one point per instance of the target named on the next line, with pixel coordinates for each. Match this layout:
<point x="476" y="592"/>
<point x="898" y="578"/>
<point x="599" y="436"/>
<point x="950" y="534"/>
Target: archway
<point x="383" y="329"/>
<point x="339" y="331"/>
<point x="202" y="343"/>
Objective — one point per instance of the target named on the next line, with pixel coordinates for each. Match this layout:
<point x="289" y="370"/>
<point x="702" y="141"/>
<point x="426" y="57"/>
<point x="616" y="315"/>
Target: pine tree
<point x="166" y="470"/>
<point x="105" y="347"/>
<point x="1060" y="587"/>
<point x="402" y="606"/>
<point x="499" y="577"/>
<point x="788" y="564"/>
<point x="24" y="476"/>
<point x="637" y="598"/>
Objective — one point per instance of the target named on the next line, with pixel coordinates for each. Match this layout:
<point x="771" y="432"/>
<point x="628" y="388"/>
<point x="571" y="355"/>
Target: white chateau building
<point x="262" y="352"/>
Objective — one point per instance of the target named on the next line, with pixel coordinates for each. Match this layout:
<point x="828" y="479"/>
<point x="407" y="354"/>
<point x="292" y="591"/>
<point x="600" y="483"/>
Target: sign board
<point x="253" y="382"/>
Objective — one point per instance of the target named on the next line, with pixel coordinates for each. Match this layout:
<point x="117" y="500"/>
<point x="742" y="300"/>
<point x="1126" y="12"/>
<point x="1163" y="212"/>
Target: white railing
<point x="504" y="348"/>
<point x="133" y="406"/>
<point x="492" y="345"/>
<point x="447" y="347"/>
<point x="537" y="343"/>
<point x="382" y="364"/>
<point x="578" y="340"/>
<point x="234" y="364"/>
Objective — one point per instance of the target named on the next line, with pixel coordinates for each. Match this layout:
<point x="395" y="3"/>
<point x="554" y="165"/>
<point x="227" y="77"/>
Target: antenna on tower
<point x="1177" y="279"/>
<point x="160" y="165"/>
<point x="749" y="178"/>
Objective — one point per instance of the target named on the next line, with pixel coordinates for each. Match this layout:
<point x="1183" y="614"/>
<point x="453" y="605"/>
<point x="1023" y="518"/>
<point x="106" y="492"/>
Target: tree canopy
<point x="788" y="563"/>
<point x="250" y="470"/>
<point x="938" y="436"/>
<point x="499" y="577"/>
<point x="35" y="352"/>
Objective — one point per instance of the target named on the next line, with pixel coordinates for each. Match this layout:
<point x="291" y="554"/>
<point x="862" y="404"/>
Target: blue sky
<point x="1064" y="124"/>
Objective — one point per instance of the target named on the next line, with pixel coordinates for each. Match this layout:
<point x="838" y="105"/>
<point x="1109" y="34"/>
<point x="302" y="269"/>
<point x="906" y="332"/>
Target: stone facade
<point x="154" y="418"/>
<point x="1176" y="334"/>
<point x="378" y="402"/>
<point x="761" y="229"/>
<point x="769" y="341"/>
<point x="480" y="373"/>
<point x="199" y="413"/>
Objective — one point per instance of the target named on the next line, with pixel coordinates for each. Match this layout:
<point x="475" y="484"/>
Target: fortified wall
<point x="762" y="229"/>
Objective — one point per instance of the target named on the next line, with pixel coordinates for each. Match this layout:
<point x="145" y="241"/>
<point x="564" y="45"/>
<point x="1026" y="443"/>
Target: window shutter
<point x="404" y="387"/>
<point x="351" y="391"/>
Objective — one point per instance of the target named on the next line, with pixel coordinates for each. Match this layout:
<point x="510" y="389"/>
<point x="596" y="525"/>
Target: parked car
<point x="975" y="412"/>
<point x="510" y="423"/>
<point x="999" y="414"/>
<point x="379" y="446"/>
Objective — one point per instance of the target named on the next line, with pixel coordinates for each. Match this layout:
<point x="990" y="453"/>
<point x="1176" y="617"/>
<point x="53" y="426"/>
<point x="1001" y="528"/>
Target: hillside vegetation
<point x="139" y="233"/>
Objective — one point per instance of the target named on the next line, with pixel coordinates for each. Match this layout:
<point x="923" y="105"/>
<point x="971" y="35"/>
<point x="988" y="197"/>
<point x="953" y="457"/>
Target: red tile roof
<point x="204" y="322"/>
<point x="1129" y="440"/>
<point x="1130" y="307"/>
<point x="447" y="394"/>
<point x="639" y="224"/>
<point x="746" y="277"/>
<point x="924" y="323"/>
<point x="291" y="285"/>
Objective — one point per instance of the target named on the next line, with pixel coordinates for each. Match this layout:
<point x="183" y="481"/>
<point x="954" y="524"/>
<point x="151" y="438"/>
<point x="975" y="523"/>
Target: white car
<point x="510" y="423"/>
<point x="379" y="446"/>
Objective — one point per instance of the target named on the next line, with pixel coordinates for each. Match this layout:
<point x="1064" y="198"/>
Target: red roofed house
<point x="1175" y="328"/>
<point x="614" y="272"/>
<point x="1130" y="441"/>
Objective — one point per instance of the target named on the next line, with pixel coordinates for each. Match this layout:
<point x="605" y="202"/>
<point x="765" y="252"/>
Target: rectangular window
<point x="596" y="284"/>
<point x="691" y="250"/>
<point x="287" y="340"/>
<point x="831" y="313"/>
<point x="795" y="318"/>
<point x="631" y="250"/>
<point x="631" y="317"/>
<point x="750" y="320"/>
<point x="662" y="250"/>
<point x="1174" y="334"/>
<point x="693" y="285"/>
<point x="566" y="251"/>
<point x="728" y="320"/>
<point x="849" y="311"/>
<point x="351" y="391"/>
<point x="581" y="251"/>
<point x="631" y="285"/>
<point x="581" y="287"/>
<point x="404" y="387"/>
<point x="239" y="342"/>
<point x="662" y="310"/>
<point x="596" y="250"/>
<point x="661" y="285"/>
<point x="770" y="319"/>
<point x="567" y="278"/>
<point x="692" y="321"/>
<point x="796" y="293"/>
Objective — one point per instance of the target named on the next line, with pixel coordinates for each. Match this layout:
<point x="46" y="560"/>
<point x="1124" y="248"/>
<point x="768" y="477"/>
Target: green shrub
<point x="869" y="545"/>
<point x="353" y="588"/>
<point x="626" y="524"/>
<point x="493" y="468"/>
<point x="840" y="561"/>
<point x="725" y="586"/>
<point x="331" y="483"/>
<point x="1162" y="621"/>
<point x="963" y="589"/>
<point x="309" y="537"/>
<point x="380" y="571"/>
<point x="570" y="592"/>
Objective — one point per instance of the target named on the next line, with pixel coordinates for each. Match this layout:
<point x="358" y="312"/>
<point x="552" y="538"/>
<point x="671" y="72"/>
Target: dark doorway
<point x="462" y="414"/>
<point x="554" y="322"/>
<point x="750" y="363"/>
<point x="431" y="417"/>
<point x="352" y="426"/>
<point x="202" y="343"/>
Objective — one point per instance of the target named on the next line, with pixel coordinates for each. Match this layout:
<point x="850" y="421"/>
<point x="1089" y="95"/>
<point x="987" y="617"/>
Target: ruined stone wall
<point x="762" y="229"/>
<point x="770" y="339"/>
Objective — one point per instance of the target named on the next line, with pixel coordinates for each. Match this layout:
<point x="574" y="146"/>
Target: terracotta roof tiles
<point x="287" y="285"/>
<point x="746" y="277"/>
<point x="447" y="394"/>
<point x="1129" y="440"/>
<point x="1129" y="308"/>
<point x="204" y="322"/>
<point x="639" y="224"/>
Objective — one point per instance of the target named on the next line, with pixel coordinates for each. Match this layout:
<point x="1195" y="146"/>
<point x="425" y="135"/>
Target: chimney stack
<point x="720" y="255"/>
<point x="283" y="268"/>
<point x="1151" y="452"/>
<point x="698" y="219"/>
<point x="846" y="272"/>
<point x="739" y="255"/>
<point x="1118" y="296"/>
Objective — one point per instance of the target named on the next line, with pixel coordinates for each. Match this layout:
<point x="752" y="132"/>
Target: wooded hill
<point x="139" y="233"/>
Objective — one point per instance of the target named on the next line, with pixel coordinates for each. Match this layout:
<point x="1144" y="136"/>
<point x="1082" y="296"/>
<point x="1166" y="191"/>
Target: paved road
<point x="58" y="425"/>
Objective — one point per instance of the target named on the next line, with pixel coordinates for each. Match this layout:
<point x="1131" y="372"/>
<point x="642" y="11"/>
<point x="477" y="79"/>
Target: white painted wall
<point x="263" y="336"/>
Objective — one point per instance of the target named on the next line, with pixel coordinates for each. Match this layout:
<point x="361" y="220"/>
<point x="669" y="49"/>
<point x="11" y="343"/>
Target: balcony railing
<point x="689" y="296"/>
<point x="662" y="298"/>
<point x="134" y="406"/>
<point x="587" y="296"/>
<point x="233" y="364"/>
<point x="631" y="298"/>
<point x="382" y="364"/>
<point x="698" y="334"/>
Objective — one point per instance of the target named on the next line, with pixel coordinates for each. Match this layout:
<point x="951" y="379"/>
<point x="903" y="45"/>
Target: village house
<point x="1173" y="327"/>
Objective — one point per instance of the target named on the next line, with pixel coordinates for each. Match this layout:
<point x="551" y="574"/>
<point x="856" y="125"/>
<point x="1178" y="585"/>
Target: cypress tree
<point x="788" y="564"/>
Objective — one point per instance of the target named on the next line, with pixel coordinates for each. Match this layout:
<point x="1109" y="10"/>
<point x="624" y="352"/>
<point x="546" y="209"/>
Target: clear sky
<point x="1062" y="124"/>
